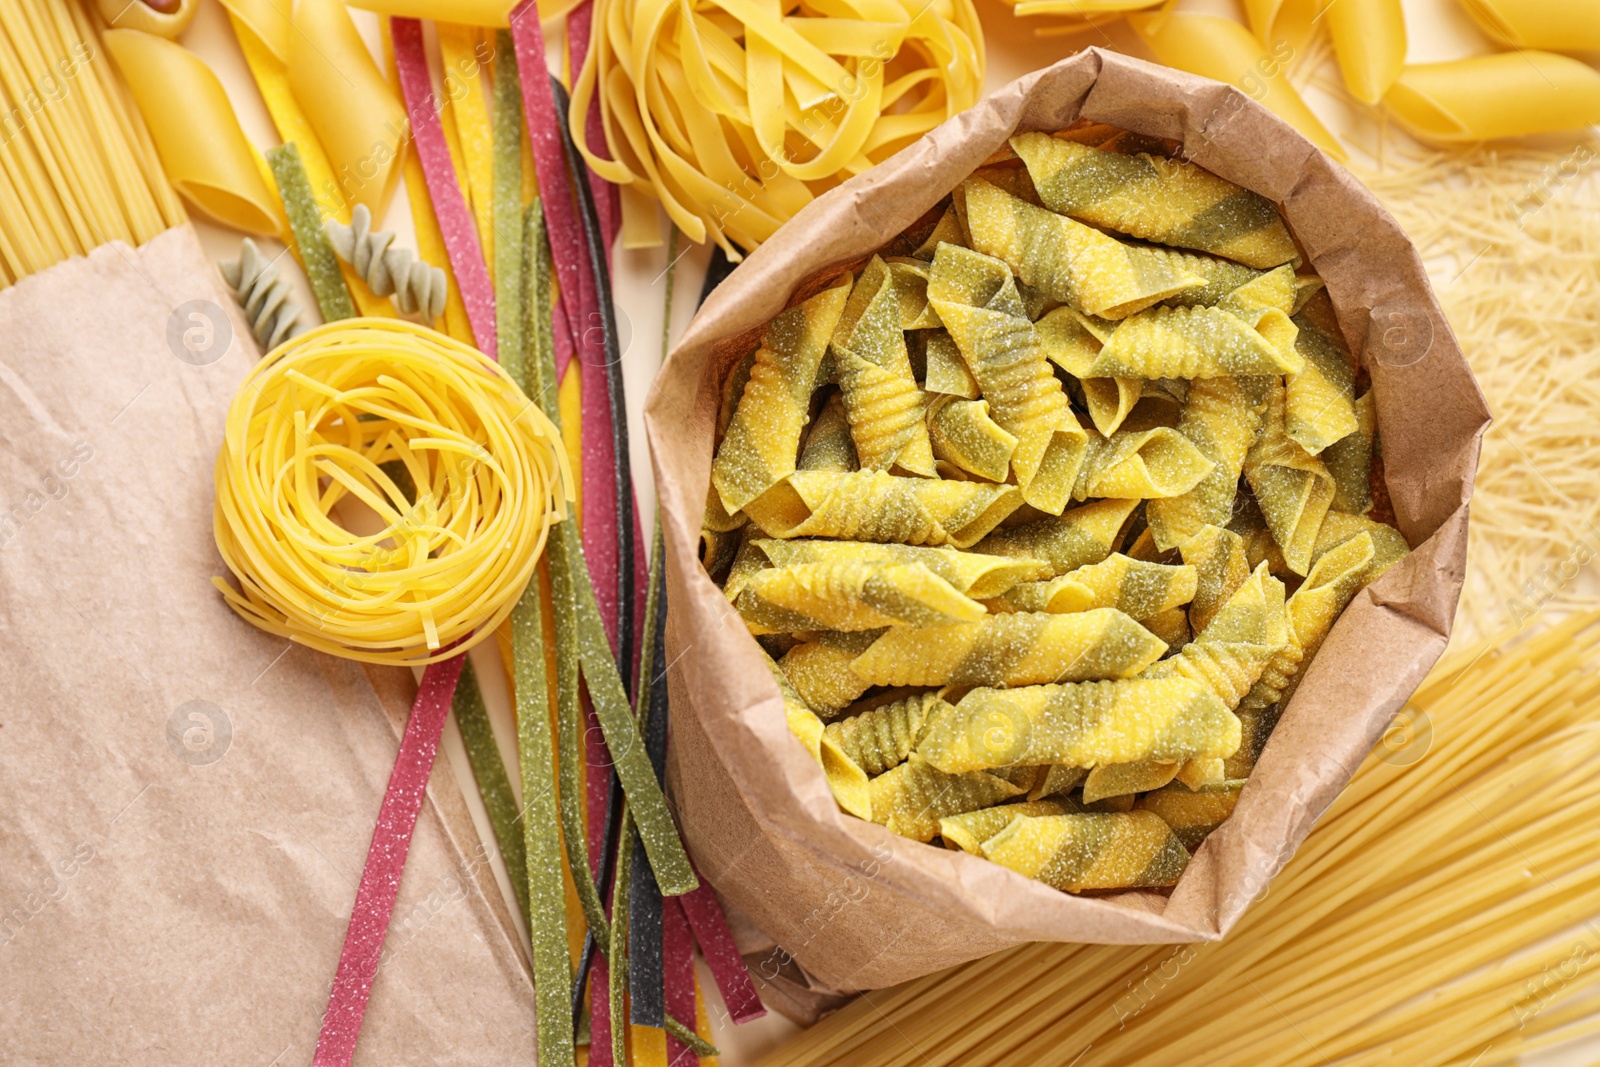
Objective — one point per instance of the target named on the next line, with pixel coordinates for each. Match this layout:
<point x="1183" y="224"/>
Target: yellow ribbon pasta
<point x="1486" y="97"/>
<point x="911" y="799"/>
<point x="946" y="372"/>
<point x="881" y="397"/>
<point x="1016" y="648"/>
<point x="762" y="439"/>
<point x="882" y="738"/>
<point x="1167" y="201"/>
<point x="1084" y="535"/>
<point x="1319" y="402"/>
<point x="1220" y="48"/>
<point x="976" y="297"/>
<point x="202" y="148"/>
<point x="970" y="573"/>
<point x="970" y="830"/>
<point x="851" y="595"/>
<point x="1134" y="587"/>
<point x="1068" y="261"/>
<point x="358" y="119"/>
<point x="875" y="506"/>
<point x="846" y="780"/>
<point x="735" y="115"/>
<point x="1081" y="724"/>
<point x="311" y="427"/>
<point x="1369" y="39"/>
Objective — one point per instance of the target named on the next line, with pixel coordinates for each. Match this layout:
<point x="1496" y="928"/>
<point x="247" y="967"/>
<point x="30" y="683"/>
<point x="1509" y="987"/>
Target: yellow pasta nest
<point x="1047" y="507"/>
<point x="383" y="492"/>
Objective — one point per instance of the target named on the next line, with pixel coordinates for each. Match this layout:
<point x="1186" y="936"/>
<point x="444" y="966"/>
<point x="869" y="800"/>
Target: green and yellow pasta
<point x="911" y="798"/>
<point x="970" y="830"/>
<point x="881" y="397"/>
<point x="876" y="506"/>
<point x="851" y="595"/>
<point x="1141" y="465"/>
<point x="962" y="433"/>
<point x="1198" y="342"/>
<point x="1138" y="589"/>
<point x="1293" y="487"/>
<point x="1091" y="851"/>
<point x="847" y="780"/>
<point x="881" y="738"/>
<point x="1084" y="535"/>
<point x="1192" y="814"/>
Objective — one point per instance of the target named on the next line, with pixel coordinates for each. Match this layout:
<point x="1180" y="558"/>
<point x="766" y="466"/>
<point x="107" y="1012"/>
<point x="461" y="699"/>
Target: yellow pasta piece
<point x="1016" y="648"/>
<point x="1319" y="402"/>
<point x="169" y="20"/>
<point x="763" y="437"/>
<point x="1192" y="814"/>
<point x="1198" y="342"/>
<point x="1279" y="288"/>
<point x="1229" y="656"/>
<point x="962" y="433"/>
<point x="875" y="506"/>
<point x="1081" y="724"/>
<point x="883" y="737"/>
<point x="747" y="562"/>
<point x="970" y="830"/>
<point x="820" y="670"/>
<point x="828" y="445"/>
<point x="1292" y="486"/>
<point x="1349" y="460"/>
<point x="1559" y="25"/>
<point x="1057" y="781"/>
<point x="946" y="372"/>
<point x="1122" y="779"/>
<point x="1486" y="97"/>
<point x="1203" y="773"/>
<point x="1221" y="567"/>
<point x="1072" y="341"/>
<point x="1255" y="728"/>
<point x="1141" y="465"/>
<point x="972" y="573"/>
<point x="1066" y="542"/>
<point x="847" y="781"/>
<point x="977" y="299"/>
<point x="1220" y="48"/>
<point x="1091" y="851"/>
<point x="911" y="798"/>
<point x="1369" y="38"/>
<point x="949" y="229"/>
<point x="356" y="115"/>
<point x="1167" y="201"/>
<point x="1221" y="418"/>
<point x="881" y="395"/>
<point x="1172" y="626"/>
<point x="1219" y="278"/>
<point x="202" y="148"/>
<point x="910" y="277"/>
<point x="1068" y="261"/>
<point x="850" y="595"/>
<point x="1388" y="544"/>
<point x="1138" y="589"/>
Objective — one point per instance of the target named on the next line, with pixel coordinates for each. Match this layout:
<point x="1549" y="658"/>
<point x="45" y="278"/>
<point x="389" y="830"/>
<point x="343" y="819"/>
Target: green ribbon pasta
<point x="1019" y="648"/>
<point x="1068" y="261"/>
<point x="1167" y="201"/>
<point x="1082" y="724"/>
<point x="829" y="446"/>
<point x="1084" y="535"/>
<point x="1058" y="780"/>
<point x="1091" y="851"/>
<point x="977" y="298"/>
<point x="1349" y="460"/>
<point x="876" y="506"/>
<point x="851" y="595"/>
<point x="1122" y="779"/>
<point x="774" y="403"/>
<point x="1136" y="588"/>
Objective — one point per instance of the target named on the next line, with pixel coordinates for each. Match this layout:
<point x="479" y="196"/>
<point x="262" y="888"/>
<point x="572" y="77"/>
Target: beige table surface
<point x="1438" y="30"/>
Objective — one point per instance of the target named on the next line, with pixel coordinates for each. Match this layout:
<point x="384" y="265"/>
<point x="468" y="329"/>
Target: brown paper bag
<point x="850" y="906"/>
<point x="185" y="801"/>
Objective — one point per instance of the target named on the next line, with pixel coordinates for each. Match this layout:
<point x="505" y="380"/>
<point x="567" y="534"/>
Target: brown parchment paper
<point x="848" y="906"/>
<point x="182" y="899"/>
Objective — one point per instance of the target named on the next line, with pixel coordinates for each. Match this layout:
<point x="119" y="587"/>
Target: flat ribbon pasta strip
<point x="820" y="670"/>
<point x="882" y="738"/>
<point x="1084" y="535"/>
<point x="912" y="798"/>
<point x="764" y="436"/>
<point x="946" y="372"/>
<point x="1081" y="724"/>
<point x="1091" y="851"/>
<point x="962" y="433"/>
<point x="1229" y="656"/>
<point x="1134" y="587"/>
<point x="1141" y="465"/>
<point x="1349" y="460"/>
<point x="851" y="595"/>
<point x="1068" y="261"/>
<point x="1167" y="201"/>
<point x="970" y="830"/>
<point x="1015" y="648"/>
<point x="1292" y="486"/>
<point x="1320" y="400"/>
<point x="971" y="573"/>
<point x="1192" y="815"/>
<point x="1122" y="779"/>
<point x="1221" y="568"/>
<point x="875" y="506"/>
<point x="1487" y="97"/>
<point x="1198" y="342"/>
<point x="977" y="300"/>
<point x="1221" y="418"/>
<point x="881" y="397"/>
<point x="846" y="780"/>
<point x="829" y="446"/>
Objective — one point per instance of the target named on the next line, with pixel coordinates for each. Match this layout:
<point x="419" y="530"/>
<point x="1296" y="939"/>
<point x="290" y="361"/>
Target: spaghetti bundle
<point x="321" y="421"/>
<point x="735" y="115"/>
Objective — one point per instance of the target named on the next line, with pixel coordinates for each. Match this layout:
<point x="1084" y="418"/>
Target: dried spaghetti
<point x="312" y="428"/>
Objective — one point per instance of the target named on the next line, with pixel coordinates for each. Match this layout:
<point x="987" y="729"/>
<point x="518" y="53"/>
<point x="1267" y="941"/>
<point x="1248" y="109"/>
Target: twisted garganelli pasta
<point x="316" y="425"/>
<point x="1063" y="647"/>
